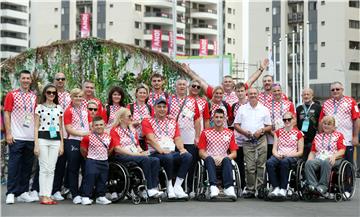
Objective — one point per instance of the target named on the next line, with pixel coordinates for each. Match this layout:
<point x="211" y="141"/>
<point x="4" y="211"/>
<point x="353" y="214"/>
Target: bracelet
<point x="261" y="69"/>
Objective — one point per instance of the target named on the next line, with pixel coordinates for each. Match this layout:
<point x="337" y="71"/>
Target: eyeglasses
<point x="92" y="109"/>
<point x="287" y="119"/>
<point x="60" y="79"/>
<point x="51" y="92"/>
<point x="337" y="89"/>
<point x="195" y="86"/>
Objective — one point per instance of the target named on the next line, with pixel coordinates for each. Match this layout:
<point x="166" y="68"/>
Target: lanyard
<point x="306" y="111"/>
<point x="80" y="117"/>
<point x="24" y="101"/>
<point x="272" y="109"/>
<point x="159" y="128"/>
<point x="63" y="96"/>
<point x="102" y="142"/>
<point x="153" y="97"/>
<point x="322" y="142"/>
<point x="130" y="134"/>
<point x="181" y="107"/>
<point x="336" y="105"/>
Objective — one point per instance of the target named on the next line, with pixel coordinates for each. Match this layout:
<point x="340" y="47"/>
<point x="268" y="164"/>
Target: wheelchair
<point x="341" y="186"/>
<point x="128" y="181"/>
<point x="201" y="185"/>
<point x="292" y="190"/>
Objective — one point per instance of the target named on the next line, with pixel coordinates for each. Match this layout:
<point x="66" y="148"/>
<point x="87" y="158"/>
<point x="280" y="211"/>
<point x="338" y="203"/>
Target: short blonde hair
<point x="120" y="115"/>
<point x="92" y="102"/>
<point x="329" y="119"/>
<point x="218" y="88"/>
<point x="76" y="91"/>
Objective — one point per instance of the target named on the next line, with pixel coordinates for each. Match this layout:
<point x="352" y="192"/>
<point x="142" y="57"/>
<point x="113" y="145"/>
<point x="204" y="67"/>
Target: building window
<point x="355" y="66"/>
<point x="354" y="4"/>
<point x="111" y="5"/>
<point x="137" y="25"/>
<point x="111" y="23"/>
<point x="275" y="11"/>
<point x="266" y="48"/>
<point x="234" y="11"/>
<point x="55" y="26"/>
<point x="323" y="23"/>
<point x="354" y="45"/>
<point x="229" y="25"/>
<point x="233" y="25"/>
<point x="322" y="2"/>
<point x="229" y="10"/>
<point x="233" y="40"/>
<point x="267" y="9"/>
<point x="137" y="42"/>
<point x="323" y="44"/>
<point x="312" y="6"/>
<point x="354" y="24"/>
<point x="229" y="40"/>
<point x="137" y="7"/>
<point x="56" y="9"/>
<point x="323" y="65"/>
<point x="267" y="29"/>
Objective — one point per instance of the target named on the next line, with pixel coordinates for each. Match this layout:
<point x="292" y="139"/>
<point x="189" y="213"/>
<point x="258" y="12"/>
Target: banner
<point x="156" y="40"/>
<point x="171" y="43"/>
<point x="84" y="25"/>
<point x="203" y="51"/>
<point x="215" y="48"/>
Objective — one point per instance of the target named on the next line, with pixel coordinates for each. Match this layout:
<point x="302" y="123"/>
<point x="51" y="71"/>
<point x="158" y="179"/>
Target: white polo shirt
<point x="251" y="119"/>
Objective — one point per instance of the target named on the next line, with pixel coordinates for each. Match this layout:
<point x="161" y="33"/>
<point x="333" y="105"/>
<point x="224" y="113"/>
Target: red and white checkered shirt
<point x="288" y="141"/>
<point x="188" y="114"/>
<point x="217" y="143"/>
<point x="278" y="109"/>
<point x="64" y="99"/>
<point x="167" y="128"/>
<point x="345" y="111"/>
<point x="100" y="107"/>
<point x="79" y="119"/>
<point x="230" y="98"/>
<point x="203" y="109"/>
<point x="112" y="115"/>
<point x="154" y="96"/>
<point x="140" y="112"/>
<point x="124" y="137"/>
<point x="328" y="142"/>
<point x="95" y="144"/>
<point x="266" y="98"/>
<point x="21" y="104"/>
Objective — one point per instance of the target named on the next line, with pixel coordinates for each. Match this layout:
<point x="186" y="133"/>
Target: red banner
<point x="215" y="47"/>
<point x="84" y="25"/>
<point x="156" y="40"/>
<point x="203" y="51"/>
<point x="171" y="43"/>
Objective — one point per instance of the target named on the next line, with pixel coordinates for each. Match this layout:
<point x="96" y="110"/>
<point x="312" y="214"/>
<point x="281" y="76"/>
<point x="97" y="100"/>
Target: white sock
<point x="170" y="185"/>
<point x="179" y="181"/>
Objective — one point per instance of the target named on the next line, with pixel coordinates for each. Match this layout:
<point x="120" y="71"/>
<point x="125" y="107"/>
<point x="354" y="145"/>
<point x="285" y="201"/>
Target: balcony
<point x="203" y="13"/>
<point x="295" y="18"/>
<point x="297" y="58"/>
<point x="206" y="1"/>
<point x="14" y="28"/>
<point x="158" y="18"/>
<point x="180" y="39"/>
<point x="159" y="3"/>
<point x="295" y="1"/>
<point x="14" y="14"/>
<point x="195" y="44"/>
<point x="205" y="29"/>
<point x="14" y="41"/>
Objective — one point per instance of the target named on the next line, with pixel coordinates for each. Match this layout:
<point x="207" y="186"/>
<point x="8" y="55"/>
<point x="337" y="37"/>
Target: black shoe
<point x="249" y="195"/>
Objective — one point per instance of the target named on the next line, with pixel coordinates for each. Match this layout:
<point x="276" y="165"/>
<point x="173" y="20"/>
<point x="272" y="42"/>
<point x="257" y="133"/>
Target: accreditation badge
<point x="305" y="125"/>
<point x="52" y="131"/>
<point x="27" y="120"/>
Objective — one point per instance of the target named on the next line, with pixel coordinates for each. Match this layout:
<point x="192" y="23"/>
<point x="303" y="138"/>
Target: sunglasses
<point x="287" y="119"/>
<point x="195" y="86"/>
<point x="92" y="109"/>
<point x="51" y="92"/>
<point x="60" y="79"/>
<point x="337" y="89"/>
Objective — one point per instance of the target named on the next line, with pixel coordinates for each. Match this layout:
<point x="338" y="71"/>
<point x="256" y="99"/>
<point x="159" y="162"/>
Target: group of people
<point x="72" y="131"/>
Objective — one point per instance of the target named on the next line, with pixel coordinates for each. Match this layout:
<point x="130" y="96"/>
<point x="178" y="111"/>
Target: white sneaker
<point x="179" y="192"/>
<point x="282" y="193"/>
<point x="10" y="199"/>
<point x="275" y="192"/>
<point x="347" y="195"/>
<point x="114" y="196"/>
<point x="102" y="200"/>
<point x="230" y="192"/>
<point x="25" y="197"/>
<point x="34" y="195"/>
<point x="85" y="200"/>
<point x="77" y="200"/>
<point x="214" y="191"/>
<point x="171" y="192"/>
<point x="57" y="196"/>
<point x="152" y="192"/>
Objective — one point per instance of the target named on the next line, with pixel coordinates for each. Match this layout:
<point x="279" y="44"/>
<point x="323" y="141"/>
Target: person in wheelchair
<point x="287" y="148"/>
<point x="127" y="149"/>
<point x="326" y="152"/>
<point x="217" y="148"/>
<point x="163" y="136"/>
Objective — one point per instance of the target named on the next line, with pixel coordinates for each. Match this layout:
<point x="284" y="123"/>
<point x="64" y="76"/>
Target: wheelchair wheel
<point x="163" y="181"/>
<point x="118" y="180"/>
<point x="346" y="180"/>
<point x="138" y="182"/>
<point x="237" y="180"/>
<point x="300" y="179"/>
<point x="197" y="180"/>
